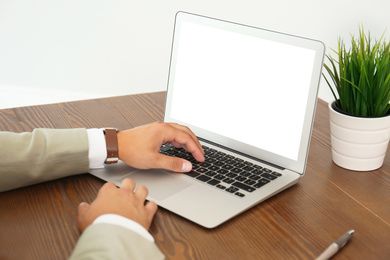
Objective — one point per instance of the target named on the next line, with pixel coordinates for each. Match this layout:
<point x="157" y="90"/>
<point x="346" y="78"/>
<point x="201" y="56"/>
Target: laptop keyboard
<point x="224" y="171"/>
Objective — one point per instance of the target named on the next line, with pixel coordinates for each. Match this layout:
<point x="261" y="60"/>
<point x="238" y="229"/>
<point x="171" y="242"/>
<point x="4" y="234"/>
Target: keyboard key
<point x="228" y="180"/>
<point x="227" y="167"/>
<point x="257" y="172"/>
<point x="269" y="176"/>
<point x="264" y="181"/>
<point x="201" y="170"/>
<point x="231" y="189"/>
<point x="254" y="177"/>
<point x="181" y="155"/>
<point x="248" y="168"/>
<point x="223" y="159"/>
<point x="189" y="158"/>
<point x="203" y="178"/>
<point x="230" y="161"/>
<point x="221" y="153"/>
<point x="164" y="148"/>
<point x="210" y="173"/>
<point x="243" y="186"/>
<point x="236" y="170"/>
<point x="231" y="175"/>
<point x="266" y="170"/>
<point x="213" y="182"/>
<point x="192" y="174"/>
<point x="220" y="186"/>
<point x="276" y="174"/>
<point x="245" y="174"/>
<point x="195" y="166"/>
<point x="239" y="194"/>
<point x="249" y="182"/>
<point x="172" y="152"/>
<point x="213" y="168"/>
<point x="240" y="178"/>
<point x="212" y="150"/>
<point x="205" y="164"/>
<point x="220" y="177"/>
<point x="214" y="155"/>
<point x="219" y="164"/>
<point x="239" y="165"/>
<point x="222" y="171"/>
<point x="211" y="160"/>
<point x="261" y="183"/>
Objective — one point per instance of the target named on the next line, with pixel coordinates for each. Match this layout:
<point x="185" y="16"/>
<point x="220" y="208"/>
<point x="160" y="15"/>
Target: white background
<point x="52" y="51"/>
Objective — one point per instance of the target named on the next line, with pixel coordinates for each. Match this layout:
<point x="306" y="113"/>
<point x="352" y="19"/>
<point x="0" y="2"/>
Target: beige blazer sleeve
<point x="108" y="241"/>
<point x="44" y="154"/>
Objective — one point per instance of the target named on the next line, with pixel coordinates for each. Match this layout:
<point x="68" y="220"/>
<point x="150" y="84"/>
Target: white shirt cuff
<point x="97" y="152"/>
<point x="125" y="223"/>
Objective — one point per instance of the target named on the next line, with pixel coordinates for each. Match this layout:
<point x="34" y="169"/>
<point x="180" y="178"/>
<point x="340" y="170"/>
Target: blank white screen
<point x="245" y="88"/>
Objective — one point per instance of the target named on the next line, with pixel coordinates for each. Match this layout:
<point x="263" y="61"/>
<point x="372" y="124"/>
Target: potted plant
<point x="360" y="114"/>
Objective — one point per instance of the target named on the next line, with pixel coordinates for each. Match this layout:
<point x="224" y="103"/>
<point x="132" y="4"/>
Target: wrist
<point x="125" y="223"/>
<point x="123" y="145"/>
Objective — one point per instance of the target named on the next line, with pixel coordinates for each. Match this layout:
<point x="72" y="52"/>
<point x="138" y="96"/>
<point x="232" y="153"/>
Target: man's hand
<point x="122" y="201"/>
<point x="139" y="147"/>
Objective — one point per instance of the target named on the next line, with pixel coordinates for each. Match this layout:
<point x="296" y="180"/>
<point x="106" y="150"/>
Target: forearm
<point x="44" y="154"/>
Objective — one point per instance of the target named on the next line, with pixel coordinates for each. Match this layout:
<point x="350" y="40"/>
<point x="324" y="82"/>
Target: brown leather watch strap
<point x="112" y="145"/>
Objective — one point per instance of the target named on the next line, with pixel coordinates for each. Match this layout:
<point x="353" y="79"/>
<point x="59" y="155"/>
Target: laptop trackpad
<point x="160" y="183"/>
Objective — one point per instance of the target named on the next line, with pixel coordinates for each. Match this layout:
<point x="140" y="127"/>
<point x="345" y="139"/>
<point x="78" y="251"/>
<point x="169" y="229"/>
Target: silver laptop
<point x="249" y="95"/>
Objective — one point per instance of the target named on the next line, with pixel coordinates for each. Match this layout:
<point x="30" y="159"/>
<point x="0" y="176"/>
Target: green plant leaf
<point x="360" y="82"/>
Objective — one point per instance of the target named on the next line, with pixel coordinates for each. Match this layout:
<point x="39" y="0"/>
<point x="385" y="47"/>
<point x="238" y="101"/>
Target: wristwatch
<point x="110" y="135"/>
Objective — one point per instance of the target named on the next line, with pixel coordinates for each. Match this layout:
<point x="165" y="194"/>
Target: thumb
<point x="173" y="164"/>
<point x="83" y="207"/>
<point x="82" y="215"/>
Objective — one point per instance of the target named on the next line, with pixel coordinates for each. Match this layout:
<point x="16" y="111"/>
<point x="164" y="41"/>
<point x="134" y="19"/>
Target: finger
<point x="198" y="155"/>
<point x="106" y="188"/>
<point x="171" y="163"/>
<point x="151" y="207"/>
<point x="141" y="192"/>
<point x="186" y="141"/>
<point x="150" y="210"/>
<point x="128" y="184"/>
<point x="83" y="207"/>
<point x="81" y="215"/>
<point x="181" y="136"/>
<point x="189" y="132"/>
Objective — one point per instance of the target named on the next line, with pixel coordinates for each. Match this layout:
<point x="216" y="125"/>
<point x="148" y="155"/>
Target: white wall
<point x="52" y="50"/>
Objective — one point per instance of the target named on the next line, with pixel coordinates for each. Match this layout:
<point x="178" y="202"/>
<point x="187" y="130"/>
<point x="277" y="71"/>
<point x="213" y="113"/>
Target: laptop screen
<point x="245" y="88"/>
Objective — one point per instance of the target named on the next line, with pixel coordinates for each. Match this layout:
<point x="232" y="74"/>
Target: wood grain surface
<point x="39" y="221"/>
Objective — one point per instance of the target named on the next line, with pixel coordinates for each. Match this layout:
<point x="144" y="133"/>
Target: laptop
<point x="249" y="95"/>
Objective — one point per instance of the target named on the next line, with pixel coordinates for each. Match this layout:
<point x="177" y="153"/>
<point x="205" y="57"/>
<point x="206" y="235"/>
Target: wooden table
<point x="39" y="222"/>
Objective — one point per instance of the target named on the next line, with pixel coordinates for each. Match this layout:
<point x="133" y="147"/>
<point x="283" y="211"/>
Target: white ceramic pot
<point x="358" y="143"/>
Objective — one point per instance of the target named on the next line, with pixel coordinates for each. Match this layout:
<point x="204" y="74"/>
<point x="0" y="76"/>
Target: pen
<point x="336" y="246"/>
